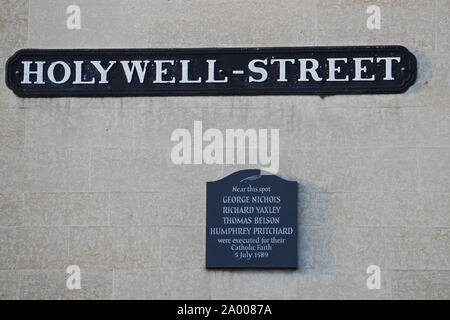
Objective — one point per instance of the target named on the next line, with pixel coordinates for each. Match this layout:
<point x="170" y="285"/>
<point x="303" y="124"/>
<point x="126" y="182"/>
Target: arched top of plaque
<point x="248" y="175"/>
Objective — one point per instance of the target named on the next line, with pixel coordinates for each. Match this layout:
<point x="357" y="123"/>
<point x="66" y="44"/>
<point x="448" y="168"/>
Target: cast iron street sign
<point x="251" y="221"/>
<point x="218" y="71"/>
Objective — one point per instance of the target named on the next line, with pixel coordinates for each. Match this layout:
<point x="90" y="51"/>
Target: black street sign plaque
<point x="210" y="71"/>
<point x="251" y="221"/>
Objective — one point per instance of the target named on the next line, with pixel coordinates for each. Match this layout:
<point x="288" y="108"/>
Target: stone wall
<point x="89" y="181"/>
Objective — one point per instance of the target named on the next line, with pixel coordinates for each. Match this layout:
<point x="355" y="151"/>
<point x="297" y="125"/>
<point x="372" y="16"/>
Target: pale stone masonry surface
<point x="90" y="182"/>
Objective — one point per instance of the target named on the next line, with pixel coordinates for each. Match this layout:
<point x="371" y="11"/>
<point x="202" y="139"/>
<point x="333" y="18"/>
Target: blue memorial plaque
<point x="251" y="221"/>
